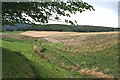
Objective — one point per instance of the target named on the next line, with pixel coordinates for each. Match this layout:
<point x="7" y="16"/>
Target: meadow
<point x="61" y="55"/>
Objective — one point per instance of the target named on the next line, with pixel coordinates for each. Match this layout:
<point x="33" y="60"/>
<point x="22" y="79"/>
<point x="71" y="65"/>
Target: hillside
<point x="70" y="55"/>
<point x="58" y="27"/>
<point x="79" y="28"/>
<point x="16" y="65"/>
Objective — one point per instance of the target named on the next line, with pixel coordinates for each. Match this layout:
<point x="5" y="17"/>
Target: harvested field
<point x="55" y="33"/>
<point x="44" y="33"/>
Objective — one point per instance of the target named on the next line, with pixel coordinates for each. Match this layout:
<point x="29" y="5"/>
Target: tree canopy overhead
<point x="12" y="12"/>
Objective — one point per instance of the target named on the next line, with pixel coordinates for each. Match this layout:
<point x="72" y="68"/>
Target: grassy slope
<point x="105" y="59"/>
<point x="43" y="68"/>
<point x="57" y="53"/>
<point x="15" y="65"/>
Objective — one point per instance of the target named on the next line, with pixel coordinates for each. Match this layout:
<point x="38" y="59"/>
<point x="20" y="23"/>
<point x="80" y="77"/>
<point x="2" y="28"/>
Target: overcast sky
<point x="105" y="14"/>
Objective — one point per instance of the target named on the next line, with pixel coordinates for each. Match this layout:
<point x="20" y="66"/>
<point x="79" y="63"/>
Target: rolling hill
<point x="58" y="27"/>
<point x="79" y="28"/>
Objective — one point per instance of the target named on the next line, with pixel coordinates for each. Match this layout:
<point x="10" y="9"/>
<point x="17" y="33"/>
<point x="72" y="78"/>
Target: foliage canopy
<point x="41" y="11"/>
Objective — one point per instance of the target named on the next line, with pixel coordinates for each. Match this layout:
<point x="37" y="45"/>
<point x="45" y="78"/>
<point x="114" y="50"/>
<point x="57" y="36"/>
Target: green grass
<point x="11" y="32"/>
<point x="20" y="48"/>
<point x="43" y="68"/>
<point x="15" y="65"/>
<point x="105" y="59"/>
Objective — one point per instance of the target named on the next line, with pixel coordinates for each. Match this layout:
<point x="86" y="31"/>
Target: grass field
<point x="12" y="32"/>
<point x="62" y="55"/>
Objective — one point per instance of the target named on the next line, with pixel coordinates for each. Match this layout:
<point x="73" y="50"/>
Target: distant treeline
<point x="59" y="27"/>
<point x="79" y="28"/>
<point x="16" y="27"/>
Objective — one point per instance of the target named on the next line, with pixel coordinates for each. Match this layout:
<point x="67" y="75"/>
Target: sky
<point x="105" y="14"/>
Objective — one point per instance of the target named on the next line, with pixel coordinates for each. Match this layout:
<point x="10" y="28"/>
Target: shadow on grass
<point x="16" y="65"/>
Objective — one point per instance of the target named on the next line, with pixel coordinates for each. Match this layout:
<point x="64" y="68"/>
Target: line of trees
<point x="57" y="27"/>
